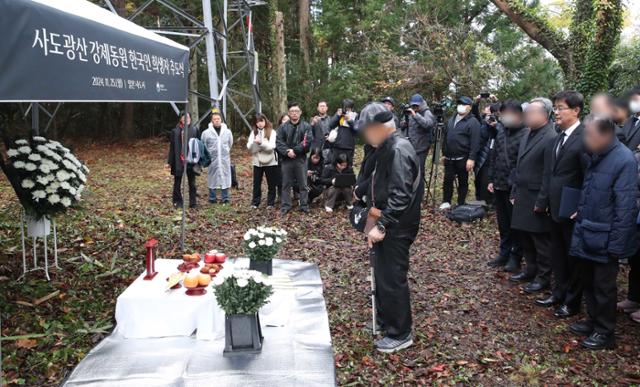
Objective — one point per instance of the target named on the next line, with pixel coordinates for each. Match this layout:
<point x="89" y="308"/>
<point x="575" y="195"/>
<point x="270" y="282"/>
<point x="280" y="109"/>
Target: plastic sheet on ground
<point x="296" y="354"/>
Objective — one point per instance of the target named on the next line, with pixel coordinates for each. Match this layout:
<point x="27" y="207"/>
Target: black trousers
<point x="634" y="278"/>
<point x="509" y="242"/>
<point x="271" y="174"/>
<point x="567" y="286"/>
<point x="314" y="192"/>
<point x="391" y="264"/>
<point x="455" y="169"/>
<point x="481" y="182"/>
<point x="335" y="152"/>
<point x="294" y="174"/>
<point x="600" y="293"/>
<point x="536" y="248"/>
<point x="177" y="192"/>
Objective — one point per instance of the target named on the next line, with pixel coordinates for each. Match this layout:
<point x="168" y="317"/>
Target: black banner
<point x="49" y="54"/>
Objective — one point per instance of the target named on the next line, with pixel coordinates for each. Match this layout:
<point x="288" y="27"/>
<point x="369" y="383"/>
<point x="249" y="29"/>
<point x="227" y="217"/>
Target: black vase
<point x="265" y="267"/>
<point x="242" y="334"/>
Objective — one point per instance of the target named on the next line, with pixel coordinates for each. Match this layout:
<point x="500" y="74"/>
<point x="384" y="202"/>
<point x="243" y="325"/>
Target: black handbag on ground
<point x="467" y="213"/>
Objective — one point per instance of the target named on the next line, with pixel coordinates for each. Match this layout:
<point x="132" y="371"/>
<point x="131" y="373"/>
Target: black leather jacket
<point x="297" y="137"/>
<point x="395" y="187"/>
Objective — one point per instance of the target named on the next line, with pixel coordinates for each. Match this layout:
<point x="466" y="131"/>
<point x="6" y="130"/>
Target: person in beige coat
<point x="262" y="145"/>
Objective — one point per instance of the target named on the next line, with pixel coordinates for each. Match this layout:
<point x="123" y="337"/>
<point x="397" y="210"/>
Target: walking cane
<point x="374" y="325"/>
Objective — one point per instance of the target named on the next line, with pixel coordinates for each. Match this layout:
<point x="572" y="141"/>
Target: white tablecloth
<point x="146" y="310"/>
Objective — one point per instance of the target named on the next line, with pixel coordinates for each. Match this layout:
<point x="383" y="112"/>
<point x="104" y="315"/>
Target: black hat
<point x="368" y="113"/>
<point x="388" y="99"/>
<point x="464" y="100"/>
<point x="383" y="117"/>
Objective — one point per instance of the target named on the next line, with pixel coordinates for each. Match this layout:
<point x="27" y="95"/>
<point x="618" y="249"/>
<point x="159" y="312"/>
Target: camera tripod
<point x="431" y="181"/>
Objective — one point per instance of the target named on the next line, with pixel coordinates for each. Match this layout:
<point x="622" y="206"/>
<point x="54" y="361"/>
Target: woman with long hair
<point x="175" y="161"/>
<point x="262" y="145"/>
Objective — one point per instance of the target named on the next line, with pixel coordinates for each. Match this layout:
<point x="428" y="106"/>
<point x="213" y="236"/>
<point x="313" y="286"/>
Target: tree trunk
<point x="280" y="83"/>
<point x="127" y="129"/>
<point x="303" y="20"/>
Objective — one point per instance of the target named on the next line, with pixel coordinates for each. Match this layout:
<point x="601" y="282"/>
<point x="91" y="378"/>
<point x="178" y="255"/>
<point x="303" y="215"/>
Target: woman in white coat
<point x="218" y="139"/>
<point x="262" y="145"/>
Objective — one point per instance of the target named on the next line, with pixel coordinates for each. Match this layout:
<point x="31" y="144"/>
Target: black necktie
<point x="560" y="144"/>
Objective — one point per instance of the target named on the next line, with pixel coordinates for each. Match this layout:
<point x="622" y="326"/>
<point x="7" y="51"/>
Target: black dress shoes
<point x="512" y="266"/>
<point x="521" y="277"/>
<point x="581" y="328"/>
<point x="535" y="287"/>
<point x="549" y="301"/>
<point x="599" y="341"/>
<point x="565" y="311"/>
<point x="497" y="262"/>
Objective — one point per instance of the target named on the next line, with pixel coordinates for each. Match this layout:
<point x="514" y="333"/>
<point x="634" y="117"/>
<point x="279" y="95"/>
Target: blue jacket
<point x="606" y="221"/>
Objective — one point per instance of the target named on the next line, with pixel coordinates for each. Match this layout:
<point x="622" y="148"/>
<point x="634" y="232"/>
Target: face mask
<point x="634" y="106"/>
<point x="462" y="109"/>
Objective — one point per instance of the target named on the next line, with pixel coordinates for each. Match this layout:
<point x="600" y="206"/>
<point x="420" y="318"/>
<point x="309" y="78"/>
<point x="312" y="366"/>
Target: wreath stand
<point x="45" y="268"/>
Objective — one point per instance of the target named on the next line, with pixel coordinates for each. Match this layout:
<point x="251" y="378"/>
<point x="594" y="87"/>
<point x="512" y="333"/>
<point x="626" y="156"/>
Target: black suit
<point x="563" y="167"/>
<point x="533" y="227"/>
<point x="631" y="133"/>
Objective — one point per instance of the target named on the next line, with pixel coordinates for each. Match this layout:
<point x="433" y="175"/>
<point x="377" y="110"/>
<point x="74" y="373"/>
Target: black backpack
<point x="467" y="213"/>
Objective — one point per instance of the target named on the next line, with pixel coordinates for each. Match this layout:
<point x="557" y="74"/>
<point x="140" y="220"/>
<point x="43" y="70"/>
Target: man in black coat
<point x="533" y="227"/>
<point x="175" y="162"/>
<point x="394" y="193"/>
<point x="564" y="167"/>
<point x="460" y="148"/>
<point x="292" y="143"/>
<point x="390" y="104"/>
<point x="418" y="126"/>
<point x="320" y="127"/>
<point x="502" y="163"/>
<point x="631" y="129"/>
<point x="342" y="137"/>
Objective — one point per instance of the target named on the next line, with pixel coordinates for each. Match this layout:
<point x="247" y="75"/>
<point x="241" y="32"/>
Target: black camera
<point x="485" y="95"/>
<point x="405" y="108"/>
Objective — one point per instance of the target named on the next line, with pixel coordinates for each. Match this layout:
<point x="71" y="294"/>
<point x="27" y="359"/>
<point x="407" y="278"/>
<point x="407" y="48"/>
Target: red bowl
<point x="220" y="258"/>
<point x="210" y="258"/>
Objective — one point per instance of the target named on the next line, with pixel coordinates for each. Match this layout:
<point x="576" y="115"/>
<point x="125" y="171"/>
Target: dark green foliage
<point x="234" y="299"/>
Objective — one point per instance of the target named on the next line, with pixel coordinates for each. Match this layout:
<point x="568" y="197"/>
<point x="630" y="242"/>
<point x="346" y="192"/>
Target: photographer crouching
<point x="390" y="206"/>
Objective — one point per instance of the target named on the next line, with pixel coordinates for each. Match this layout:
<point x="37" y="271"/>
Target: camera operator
<point x="390" y="104"/>
<point x="460" y="148"/>
<point x="342" y="137"/>
<point x="489" y="120"/>
<point x="418" y="123"/>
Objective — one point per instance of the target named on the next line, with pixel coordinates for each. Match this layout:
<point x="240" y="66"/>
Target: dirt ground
<point x="471" y="326"/>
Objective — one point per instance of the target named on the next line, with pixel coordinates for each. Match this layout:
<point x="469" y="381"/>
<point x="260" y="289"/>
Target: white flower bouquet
<point x="48" y="178"/>
<point x="241" y="291"/>
<point x="263" y="243"/>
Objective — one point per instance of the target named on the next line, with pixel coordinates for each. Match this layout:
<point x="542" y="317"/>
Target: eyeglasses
<point x="560" y="108"/>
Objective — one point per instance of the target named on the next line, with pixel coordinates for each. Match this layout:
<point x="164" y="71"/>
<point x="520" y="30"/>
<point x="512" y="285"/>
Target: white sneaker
<point x="328" y="209"/>
<point x="445" y="206"/>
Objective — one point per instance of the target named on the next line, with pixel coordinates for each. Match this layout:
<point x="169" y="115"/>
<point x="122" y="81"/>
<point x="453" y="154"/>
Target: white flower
<point x="82" y="176"/>
<point x="44" y="180"/>
<point x="69" y="165"/>
<point x="65" y="201"/>
<point x="19" y="164"/>
<point x="28" y="183"/>
<point x="39" y="138"/>
<point x="278" y="240"/>
<point x="63" y="175"/>
<point x="260" y="235"/>
<point x="43" y="149"/>
<point x="261" y="242"/>
<point x="38" y="194"/>
<point x="252" y="245"/>
<point x="35" y="157"/>
<point x="22" y="142"/>
<point x="54" y="198"/>
<point x="247" y="236"/>
<point x="242" y="282"/>
<point x="72" y="191"/>
<point x="25" y="149"/>
<point x="269" y="242"/>
<point x="86" y="169"/>
<point x="30" y="167"/>
<point x="65" y="185"/>
<point x="12" y="153"/>
<point x="218" y="280"/>
<point x="258" y="279"/>
<point x="45" y="168"/>
<point x="52" y="166"/>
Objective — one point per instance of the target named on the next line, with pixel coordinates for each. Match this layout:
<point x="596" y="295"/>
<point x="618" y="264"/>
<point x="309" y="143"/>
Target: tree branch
<point x="540" y="31"/>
